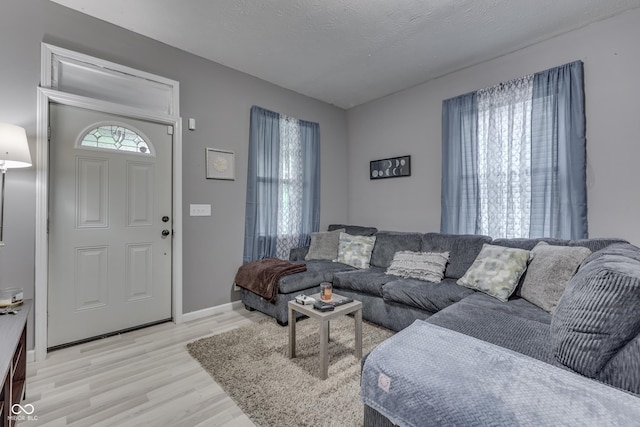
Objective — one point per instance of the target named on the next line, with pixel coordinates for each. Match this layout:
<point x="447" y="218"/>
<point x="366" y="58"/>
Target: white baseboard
<point x="194" y="315"/>
<point x="187" y="317"/>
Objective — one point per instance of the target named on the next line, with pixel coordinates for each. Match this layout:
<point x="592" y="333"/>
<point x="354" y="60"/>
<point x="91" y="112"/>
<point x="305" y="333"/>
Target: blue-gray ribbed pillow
<point x="599" y="312"/>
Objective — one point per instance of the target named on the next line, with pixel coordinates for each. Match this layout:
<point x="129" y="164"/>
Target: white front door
<point x="110" y="224"/>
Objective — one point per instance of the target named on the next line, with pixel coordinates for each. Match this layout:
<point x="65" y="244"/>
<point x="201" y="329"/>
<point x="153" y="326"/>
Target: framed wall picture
<point x="220" y="164"/>
<point x="390" y="168"/>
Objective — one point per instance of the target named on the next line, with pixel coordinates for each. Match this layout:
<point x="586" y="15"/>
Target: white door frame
<point x="46" y="96"/>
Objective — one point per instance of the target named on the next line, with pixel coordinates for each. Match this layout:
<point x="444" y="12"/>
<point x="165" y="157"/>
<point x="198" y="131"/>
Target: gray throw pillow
<point x="548" y="273"/>
<point x="427" y="266"/>
<point x="324" y="245"/>
<point x="496" y="271"/>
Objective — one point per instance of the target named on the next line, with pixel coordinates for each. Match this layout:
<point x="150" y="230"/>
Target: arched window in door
<point x="115" y="136"/>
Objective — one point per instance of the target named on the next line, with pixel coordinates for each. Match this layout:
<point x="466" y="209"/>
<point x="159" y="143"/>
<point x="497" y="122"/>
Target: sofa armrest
<point x="428" y="375"/>
<point x="298" y="254"/>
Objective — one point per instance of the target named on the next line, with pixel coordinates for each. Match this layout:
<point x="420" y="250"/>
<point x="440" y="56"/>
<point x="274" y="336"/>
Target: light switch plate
<point x="199" y="210"/>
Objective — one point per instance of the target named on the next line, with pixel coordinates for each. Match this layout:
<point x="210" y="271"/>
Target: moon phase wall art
<point x="390" y="168"/>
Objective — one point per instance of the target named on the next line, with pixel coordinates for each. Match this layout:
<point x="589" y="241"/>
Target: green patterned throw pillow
<point x="355" y="250"/>
<point x="496" y="271"/>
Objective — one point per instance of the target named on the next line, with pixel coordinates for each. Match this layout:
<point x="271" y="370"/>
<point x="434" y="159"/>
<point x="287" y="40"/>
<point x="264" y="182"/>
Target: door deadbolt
<point x="165" y="219"/>
<point x="165" y="233"/>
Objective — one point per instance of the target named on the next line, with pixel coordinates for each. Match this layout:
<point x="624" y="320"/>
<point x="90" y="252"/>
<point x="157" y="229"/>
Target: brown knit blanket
<point x="262" y="277"/>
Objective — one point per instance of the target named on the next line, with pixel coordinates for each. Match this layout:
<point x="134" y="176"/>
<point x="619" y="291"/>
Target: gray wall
<point x="409" y="123"/>
<point x="217" y="97"/>
<point x="405" y="123"/>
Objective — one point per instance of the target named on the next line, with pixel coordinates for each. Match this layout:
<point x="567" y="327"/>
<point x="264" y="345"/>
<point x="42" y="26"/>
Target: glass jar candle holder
<point x="326" y="291"/>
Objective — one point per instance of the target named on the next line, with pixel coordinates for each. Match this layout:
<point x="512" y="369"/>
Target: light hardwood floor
<point x="141" y="378"/>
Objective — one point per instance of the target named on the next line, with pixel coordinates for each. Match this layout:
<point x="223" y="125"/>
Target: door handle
<point x="165" y="233"/>
<point x="165" y="219"/>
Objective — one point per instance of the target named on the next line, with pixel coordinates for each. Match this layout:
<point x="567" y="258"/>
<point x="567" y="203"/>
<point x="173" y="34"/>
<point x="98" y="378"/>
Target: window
<point x="283" y="185"/>
<point x="115" y="136"/>
<point x="514" y="158"/>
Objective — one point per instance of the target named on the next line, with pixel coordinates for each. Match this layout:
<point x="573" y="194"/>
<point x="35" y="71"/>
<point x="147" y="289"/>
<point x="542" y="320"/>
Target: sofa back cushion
<point x="595" y="244"/>
<point x="598" y="317"/>
<point x="528" y="244"/>
<point x="463" y="250"/>
<point x="354" y="230"/>
<point x="623" y="249"/>
<point x="390" y="242"/>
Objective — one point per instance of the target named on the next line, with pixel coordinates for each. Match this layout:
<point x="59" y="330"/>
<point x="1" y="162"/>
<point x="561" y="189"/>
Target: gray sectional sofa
<point x="389" y="301"/>
<point x="591" y="339"/>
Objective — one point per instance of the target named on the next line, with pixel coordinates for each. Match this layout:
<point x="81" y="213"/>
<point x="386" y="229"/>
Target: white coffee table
<point x="324" y="318"/>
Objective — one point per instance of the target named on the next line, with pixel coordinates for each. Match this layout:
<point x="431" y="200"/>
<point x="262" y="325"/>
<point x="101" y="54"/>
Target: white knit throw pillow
<point x="427" y="266"/>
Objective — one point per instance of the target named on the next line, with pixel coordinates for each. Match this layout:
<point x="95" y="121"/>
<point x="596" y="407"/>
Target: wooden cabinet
<point x="13" y="363"/>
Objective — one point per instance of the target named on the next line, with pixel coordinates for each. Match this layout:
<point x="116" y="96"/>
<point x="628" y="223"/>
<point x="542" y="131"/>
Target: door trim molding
<point x="46" y="96"/>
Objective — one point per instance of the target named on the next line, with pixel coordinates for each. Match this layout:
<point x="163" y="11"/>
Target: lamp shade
<point x="14" y="147"/>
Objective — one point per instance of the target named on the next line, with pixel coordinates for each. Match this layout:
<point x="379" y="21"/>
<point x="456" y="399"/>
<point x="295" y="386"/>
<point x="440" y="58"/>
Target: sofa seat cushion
<point x="516" y="306"/>
<point x="369" y="281"/>
<point x="463" y="250"/>
<point x="501" y="323"/>
<point x="428" y="296"/>
<point x="317" y="272"/>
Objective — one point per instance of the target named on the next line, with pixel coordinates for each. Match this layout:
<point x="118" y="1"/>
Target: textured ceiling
<point x="347" y="52"/>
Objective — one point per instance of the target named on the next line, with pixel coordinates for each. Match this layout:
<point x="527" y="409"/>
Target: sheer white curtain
<point x="504" y="158"/>
<point x="290" y="188"/>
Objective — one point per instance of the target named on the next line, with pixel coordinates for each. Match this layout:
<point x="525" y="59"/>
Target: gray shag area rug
<point x="253" y="367"/>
